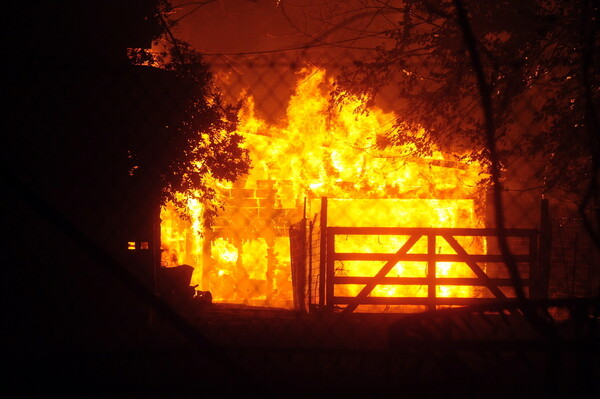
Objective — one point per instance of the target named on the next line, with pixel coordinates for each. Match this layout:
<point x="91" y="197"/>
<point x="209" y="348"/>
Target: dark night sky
<point x="234" y="32"/>
<point x="246" y="26"/>
<point x="232" y="26"/>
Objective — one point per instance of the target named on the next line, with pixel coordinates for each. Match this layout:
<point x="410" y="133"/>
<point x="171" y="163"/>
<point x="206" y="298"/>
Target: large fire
<point x="244" y="257"/>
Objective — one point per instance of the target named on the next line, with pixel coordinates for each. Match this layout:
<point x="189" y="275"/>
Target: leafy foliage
<point x="533" y="55"/>
<point x="200" y="145"/>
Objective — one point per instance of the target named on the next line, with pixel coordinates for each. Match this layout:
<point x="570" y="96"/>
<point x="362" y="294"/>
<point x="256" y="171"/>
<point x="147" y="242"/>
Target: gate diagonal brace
<point x="382" y="272"/>
<point x="474" y="266"/>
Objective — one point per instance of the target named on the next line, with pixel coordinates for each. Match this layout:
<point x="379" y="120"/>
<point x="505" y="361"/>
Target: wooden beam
<point x="431" y="259"/>
<point x="472" y="281"/>
<point x="409" y="231"/>
<point x="323" y="250"/>
<point x="431" y="271"/>
<point x="379" y="256"/>
<point x="330" y="267"/>
<point x="442" y="301"/>
<point x="541" y="268"/>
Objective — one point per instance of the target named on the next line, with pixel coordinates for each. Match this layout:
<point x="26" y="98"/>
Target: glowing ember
<point x="320" y="152"/>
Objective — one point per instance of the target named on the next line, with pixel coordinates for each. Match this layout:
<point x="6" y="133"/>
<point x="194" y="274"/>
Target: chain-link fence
<point x="573" y="258"/>
<point x="110" y="295"/>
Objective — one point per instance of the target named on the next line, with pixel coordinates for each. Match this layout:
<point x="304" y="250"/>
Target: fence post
<point x="298" y="256"/>
<point x="544" y="252"/>
<point x="330" y="267"/>
<point x="431" y="271"/>
<point x="323" y="252"/>
<point x="309" y="243"/>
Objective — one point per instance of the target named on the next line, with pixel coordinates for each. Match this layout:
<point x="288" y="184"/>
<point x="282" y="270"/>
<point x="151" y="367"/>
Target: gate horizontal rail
<point x="424" y="280"/>
<point x="438" y="301"/>
<point x="429" y="230"/>
<point x="426" y="257"/>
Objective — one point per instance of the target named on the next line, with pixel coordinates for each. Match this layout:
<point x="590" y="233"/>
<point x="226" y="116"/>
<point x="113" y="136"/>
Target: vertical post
<point x="535" y="288"/>
<point x="156" y="248"/>
<point x="431" y="277"/>
<point x="207" y="261"/>
<point x="574" y="274"/>
<point x="271" y="265"/>
<point x="545" y="252"/>
<point x="310" y="265"/>
<point x="304" y="210"/>
<point x="298" y="264"/>
<point x="323" y="251"/>
<point x="269" y="233"/>
<point x="330" y="267"/>
<point x="155" y="245"/>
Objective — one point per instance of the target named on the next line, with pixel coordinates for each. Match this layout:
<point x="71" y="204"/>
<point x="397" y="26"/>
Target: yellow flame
<point x="318" y="151"/>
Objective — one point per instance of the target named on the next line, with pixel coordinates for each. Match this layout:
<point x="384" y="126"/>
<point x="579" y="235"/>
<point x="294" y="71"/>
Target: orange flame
<point x="244" y="257"/>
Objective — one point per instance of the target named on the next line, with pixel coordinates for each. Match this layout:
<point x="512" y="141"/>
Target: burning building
<point x="243" y="256"/>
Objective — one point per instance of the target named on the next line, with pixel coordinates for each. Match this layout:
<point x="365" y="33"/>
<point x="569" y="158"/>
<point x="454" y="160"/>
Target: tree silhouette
<point x="92" y="144"/>
<point x="201" y="143"/>
<point x="540" y="60"/>
<point x="146" y="124"/>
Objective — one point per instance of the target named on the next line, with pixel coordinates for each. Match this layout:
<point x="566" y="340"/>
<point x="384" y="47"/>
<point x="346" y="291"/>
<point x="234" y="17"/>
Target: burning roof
<point x="318" y="151"/>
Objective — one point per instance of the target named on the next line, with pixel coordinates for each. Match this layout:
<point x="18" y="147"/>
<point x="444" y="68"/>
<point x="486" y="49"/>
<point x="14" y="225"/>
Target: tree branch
<point x="490" y="131"/>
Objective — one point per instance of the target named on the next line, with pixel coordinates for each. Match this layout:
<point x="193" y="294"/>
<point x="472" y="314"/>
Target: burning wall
<point x="317" y="151"/>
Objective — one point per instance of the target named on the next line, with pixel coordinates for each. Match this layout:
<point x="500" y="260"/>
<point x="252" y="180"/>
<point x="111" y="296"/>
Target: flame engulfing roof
<point x="317" y="151"/>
